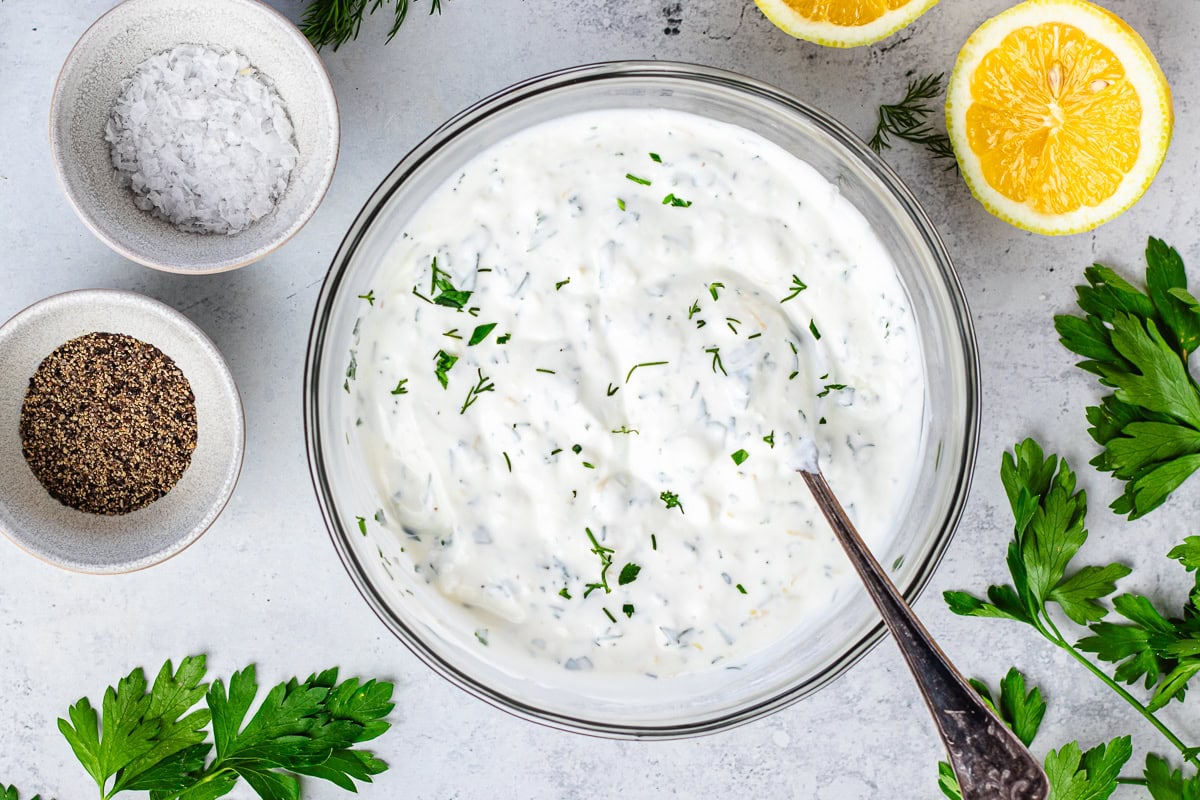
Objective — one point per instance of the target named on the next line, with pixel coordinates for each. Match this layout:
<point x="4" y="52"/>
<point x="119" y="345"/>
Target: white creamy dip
<point x="607" y="480"/>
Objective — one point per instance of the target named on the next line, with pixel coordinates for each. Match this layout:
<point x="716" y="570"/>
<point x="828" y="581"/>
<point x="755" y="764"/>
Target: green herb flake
<point x="507" y="460"/>
<point x="483" y="385"/>
<point x="362" y="525"/>
<point x="369" y="297"/>
<point x="653" y="542"/>
<point x="643" y="364"/>
<point x="831" y="387"/>
<point x="741" y="589"/>
<point x="636" y="179"/>
<point x="629" y="574"/>
<point x="446" y="295"/>
<point x="482" y="636"/>
<point x="672" y="500"/>
<point x="608" y="614"/>
<point x="624" y="429"/>
<point x="694" y="309"/>
<point x="812" y="326"/>
<point x="504" y="338"/>
<point x="558" y="285"/>
<point x="547" y="371"/>
<point x="605" y="556"/>
<point x="620" y="204"/>
<point x="612" y="390"/>
<point x="400" y="387"/>
<point x="770" y="439"/>
<point x="677" y="202"/>
<point x="739" y="456"/>
<point x="713" y="287"/>
<point x="821" y="421"/>
<point x="798" y="286"/>
<point x="656" y="158"/>
<point x="452" y="333"/>
<point x="589" y="465"/>
<point x="576" y="449"/>
<point x="564" y="593"/>
<point x="480" y="333"/>
<point x="445" y="362"/>
<point x="627" y="609"/>
<point x="730" y="321"/>
<point x="556" y="451"/>
<point x="716" y="359"/>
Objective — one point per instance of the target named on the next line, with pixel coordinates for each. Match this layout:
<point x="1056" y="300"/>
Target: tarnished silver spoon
<point x="990" y="762"/>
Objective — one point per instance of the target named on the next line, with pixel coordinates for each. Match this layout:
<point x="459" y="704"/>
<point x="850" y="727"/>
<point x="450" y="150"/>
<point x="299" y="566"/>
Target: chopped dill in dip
<point x="202" y="139"/>
<point x="612" y="488"/>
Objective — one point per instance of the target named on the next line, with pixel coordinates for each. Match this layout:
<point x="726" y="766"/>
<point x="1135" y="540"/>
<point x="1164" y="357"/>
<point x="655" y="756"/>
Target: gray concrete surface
<point x="264" y="584"/>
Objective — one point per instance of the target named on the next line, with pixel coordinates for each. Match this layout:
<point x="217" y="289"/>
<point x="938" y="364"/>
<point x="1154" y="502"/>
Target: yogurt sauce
<point x="581" y="380"/>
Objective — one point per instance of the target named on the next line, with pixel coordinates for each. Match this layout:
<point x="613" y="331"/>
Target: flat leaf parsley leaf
<point x="1138" y="344"/>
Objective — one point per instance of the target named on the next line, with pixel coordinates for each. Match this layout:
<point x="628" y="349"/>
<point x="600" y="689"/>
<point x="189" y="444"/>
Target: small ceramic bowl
<point x="95" y="543"/>
<point x="90" y="82"/>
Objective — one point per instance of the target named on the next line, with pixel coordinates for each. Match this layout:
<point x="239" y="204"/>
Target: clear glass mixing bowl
<point x="705" y="701"/>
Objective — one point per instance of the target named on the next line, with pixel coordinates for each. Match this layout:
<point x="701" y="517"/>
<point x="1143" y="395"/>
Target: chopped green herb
<point x="627" y="609"/>
<point x="739" y="456"/>
<point x="741" y="588"/>
<point x="700" y="323"/>
<point x="446" y="295"/>
<point x="503" y="339"/>
<point x="605" y="554"/>
<point x="672" y="500"/>
<point x="770" y="439"/>
<point x="620" y="204"/>
<point x="484" y="385"/>
<point x="792" y="345"/>
<point x="624" y="429"/>
<point x="576" y="449"/>
<point x="369" y="297"/>
<point x="473" y="311"/>
<point x="798" y="286"/>
<point x="445" y="362"/>
<point x="608" y="614"/>
<point x="400" y="387"/>
<point x="452" y="333"/>
<point x="629" y="574"/>
<point x="695" y="309"/>
<point x="558" y="285"/>
<point x="754" y="335"/>
<point x="564" y="593"/>
<point x="677" y="202"/>
<point x="792" y="376"/>
<point x="643" y="364"/>
<point x="589" y="465"/>
<point x="612" y="390"/>
<point x="362" y="524"/>
<point x="716" y="362"/>
<point x="547" y="371"/>
<point x="481" y="635"/>
<point x="653" y="542"/>
<point x="712" y="288"/>
<point x="352" y="367"/>
<point x="831" y="387"/>
<point x="480" y="333"/>
<point x="636" y="179"/>
<point x="821" y="421"/>
<point x="730" y="322"/>
<point x="556" y="451"/>
<point x="423" y="297"/>
<point x="656" y="158"/>
<point x="507" y="461"/>
<point x="812" y="326"/>
<point x="379" y="517"/>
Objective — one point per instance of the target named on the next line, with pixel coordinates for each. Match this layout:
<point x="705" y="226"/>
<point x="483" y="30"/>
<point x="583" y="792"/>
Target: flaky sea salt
<point x="202" y="139"/>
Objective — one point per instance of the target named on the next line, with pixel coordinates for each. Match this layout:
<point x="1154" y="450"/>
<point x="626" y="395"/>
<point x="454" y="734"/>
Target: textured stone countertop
<point x="264" y="584"/>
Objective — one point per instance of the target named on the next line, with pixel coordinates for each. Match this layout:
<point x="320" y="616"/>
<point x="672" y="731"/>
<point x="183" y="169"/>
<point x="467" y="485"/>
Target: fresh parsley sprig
<point x="151" y="737"/>
<point x="1138" y="344"/>
<point x="335" y="22"/>
<point x="909" y="120"/>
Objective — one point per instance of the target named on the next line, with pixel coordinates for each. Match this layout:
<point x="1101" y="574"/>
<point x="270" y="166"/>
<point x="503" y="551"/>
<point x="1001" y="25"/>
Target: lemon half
<point x="843" y="23"/>
<point x="1059" y="115"/>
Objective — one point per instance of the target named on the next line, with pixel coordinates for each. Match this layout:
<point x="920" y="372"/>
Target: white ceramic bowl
<point x="95" y="543"/>
<point x="89" y="83"/>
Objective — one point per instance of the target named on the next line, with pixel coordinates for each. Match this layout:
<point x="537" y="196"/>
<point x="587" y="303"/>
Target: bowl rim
<point x="126" y="299"/>
<point x="328" y="95"/>
<point x="517" y="93"/>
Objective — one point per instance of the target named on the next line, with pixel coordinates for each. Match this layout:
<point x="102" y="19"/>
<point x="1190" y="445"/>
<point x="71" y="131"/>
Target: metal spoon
<point x="990" y="762"/>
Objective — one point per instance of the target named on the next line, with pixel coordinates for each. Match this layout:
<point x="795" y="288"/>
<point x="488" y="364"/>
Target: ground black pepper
<point x="108" y="424"/>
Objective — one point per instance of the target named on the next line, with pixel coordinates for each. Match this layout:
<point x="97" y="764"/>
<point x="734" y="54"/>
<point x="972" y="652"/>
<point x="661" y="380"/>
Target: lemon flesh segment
<point x="843" y="23"/>
<point x="1059" y="115"/>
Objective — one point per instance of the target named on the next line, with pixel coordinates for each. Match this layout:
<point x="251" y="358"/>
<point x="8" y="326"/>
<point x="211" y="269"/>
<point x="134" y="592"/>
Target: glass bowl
<point x="691" y="703"/>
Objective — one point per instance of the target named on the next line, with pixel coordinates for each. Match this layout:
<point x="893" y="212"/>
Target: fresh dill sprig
<point x="484" y="385"/>
<point x="335" y="22"/>
<point x="909" y="120"/>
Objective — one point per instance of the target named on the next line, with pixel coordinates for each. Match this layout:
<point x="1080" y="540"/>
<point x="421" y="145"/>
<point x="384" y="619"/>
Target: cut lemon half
<point x="843" y="23"/>
<point x="1059" y="115"/>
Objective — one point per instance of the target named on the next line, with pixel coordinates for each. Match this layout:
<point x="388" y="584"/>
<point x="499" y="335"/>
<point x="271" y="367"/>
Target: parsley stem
<point x="1051" y="632"/>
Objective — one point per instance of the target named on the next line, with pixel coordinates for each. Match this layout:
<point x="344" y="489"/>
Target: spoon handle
<point x="988" y="759"/>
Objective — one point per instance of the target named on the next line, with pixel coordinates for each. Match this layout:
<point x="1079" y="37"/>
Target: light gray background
<point x="264" y="585"/>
